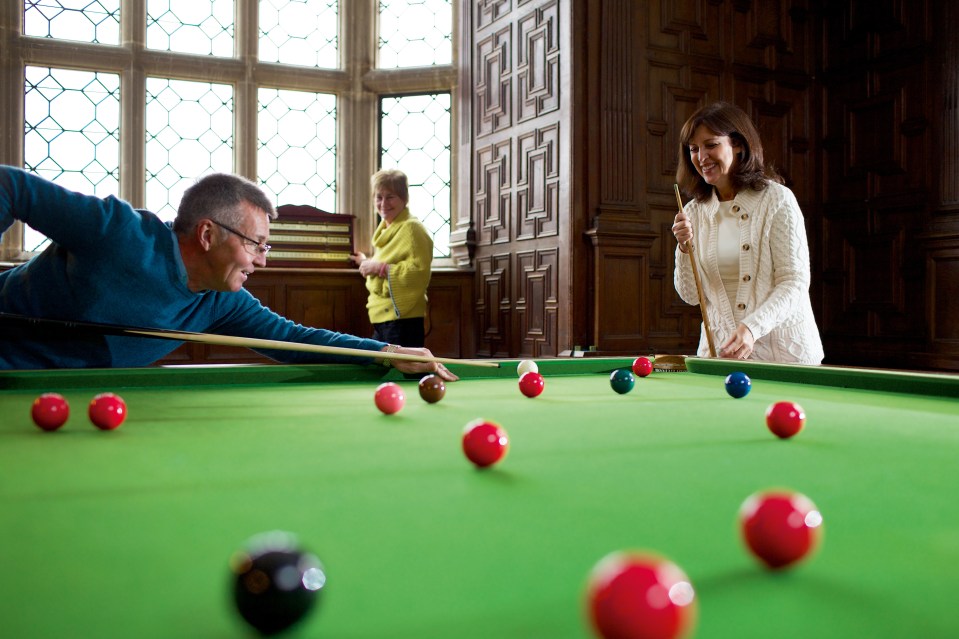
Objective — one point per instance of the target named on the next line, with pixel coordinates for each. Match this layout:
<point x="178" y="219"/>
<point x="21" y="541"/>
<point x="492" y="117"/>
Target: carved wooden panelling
<point x="775" y="124"/>
<point x="537" y="184"/>
<point x="493" y="304"/>
<point x="874" y="136"/>
<point x="537" y="303"/>
<point x="943" y="267"/>
<point x="448" y="329"/>
<point x="784" y="128"/>
<point x="493" y="77"/>
<point x="537" y="63"/>
<point x="489" y="11"/>
<point x="619" y="107"/>
<point x="675" y="106"/>
<point x="874" y="280"/>
<point x="335" y="307"/>
<point x="492" y="199"/>
<point x="760" y="30"/>
<point x="623" y="271"/>
<point x="948" y="142"/>
<point x="692" y="27"/>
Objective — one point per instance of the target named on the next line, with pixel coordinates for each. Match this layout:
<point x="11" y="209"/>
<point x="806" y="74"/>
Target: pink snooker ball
<point x="389" y="398"/>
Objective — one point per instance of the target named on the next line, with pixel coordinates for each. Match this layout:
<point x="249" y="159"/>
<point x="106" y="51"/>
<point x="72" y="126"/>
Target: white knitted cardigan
<point x="773" y="298"/>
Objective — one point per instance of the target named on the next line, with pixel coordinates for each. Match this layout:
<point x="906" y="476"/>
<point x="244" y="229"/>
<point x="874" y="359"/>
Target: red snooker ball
<point x="642" y="367"/>
<point x="780" y="527"/>
<point x="634" y="595"/>
<point x="107" y="411"/>
<point x="531" y="384"/>
<point x="50" y="411"/>
<point x="485" y="442"/>
<point x="389" y="398"/>
<point x="785" y="419"/>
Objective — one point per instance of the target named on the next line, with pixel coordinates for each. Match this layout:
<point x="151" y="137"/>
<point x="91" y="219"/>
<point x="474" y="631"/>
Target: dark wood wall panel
<point x="571" y="149"/>
<point x="659" y="62"/>
<point x="516" y="157"/>
<point x="493" y="304"/>
<point x="537" y="301"/>
<point x="537" y="211"/>
<point x="877" y="179"/>
<point x="449" y="325"/>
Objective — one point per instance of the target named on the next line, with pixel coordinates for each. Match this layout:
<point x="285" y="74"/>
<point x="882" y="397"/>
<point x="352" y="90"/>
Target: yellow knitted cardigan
<point x="408" y="250"/>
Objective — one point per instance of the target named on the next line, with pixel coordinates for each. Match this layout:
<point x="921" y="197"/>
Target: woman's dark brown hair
<point x="723" y="118"/>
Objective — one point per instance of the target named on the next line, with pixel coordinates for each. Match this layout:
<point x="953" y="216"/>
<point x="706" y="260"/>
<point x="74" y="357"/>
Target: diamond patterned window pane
<point x="71" y="132"/>
<point x="300" y="32"/>
<point x="189" y="133"/>
<point x="415" y="33"/>
<point x="203" y="27"/>
<point x="83" y="20"/>
<point x="296" y="156"/>
<point x="415" y="138"/>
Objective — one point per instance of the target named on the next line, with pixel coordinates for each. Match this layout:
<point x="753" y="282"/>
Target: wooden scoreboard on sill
<point x="305" y="236"/>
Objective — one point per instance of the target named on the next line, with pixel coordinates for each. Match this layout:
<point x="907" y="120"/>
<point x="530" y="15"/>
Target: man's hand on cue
<point x="422" y="367"/>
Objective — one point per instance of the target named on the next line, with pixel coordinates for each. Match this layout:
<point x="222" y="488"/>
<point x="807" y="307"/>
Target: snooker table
<point x="128" y="533"/>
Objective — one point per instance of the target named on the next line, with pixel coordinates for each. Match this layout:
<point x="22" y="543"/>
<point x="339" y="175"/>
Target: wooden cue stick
<point x="699" y="285"/>
<point x="279" y="345"/>
<point x="229" y="340"/>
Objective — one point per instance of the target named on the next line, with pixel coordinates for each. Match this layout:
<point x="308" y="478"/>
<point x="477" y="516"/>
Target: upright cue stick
<point x="229" y="340"/>
<point x="699" y="285"/>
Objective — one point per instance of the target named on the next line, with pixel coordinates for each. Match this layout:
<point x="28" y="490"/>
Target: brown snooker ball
<point x="432" y="389"/>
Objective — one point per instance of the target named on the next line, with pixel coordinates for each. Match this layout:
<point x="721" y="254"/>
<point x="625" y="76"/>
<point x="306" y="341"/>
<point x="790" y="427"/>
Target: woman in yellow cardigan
<point x="399" y="271"/>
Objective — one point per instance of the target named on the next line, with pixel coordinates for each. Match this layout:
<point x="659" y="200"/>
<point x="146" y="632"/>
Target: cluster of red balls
<point x="639" y="595"/>
<point x="484" y="442"/>
<point x="50" y="411"/>
<point x="633" y="595"/>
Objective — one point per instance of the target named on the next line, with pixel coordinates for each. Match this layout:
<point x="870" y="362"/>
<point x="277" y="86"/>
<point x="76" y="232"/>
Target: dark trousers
<point x="402" y="332"/>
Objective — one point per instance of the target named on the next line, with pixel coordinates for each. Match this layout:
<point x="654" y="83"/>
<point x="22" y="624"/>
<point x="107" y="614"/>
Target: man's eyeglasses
<point x="252" y="246"/>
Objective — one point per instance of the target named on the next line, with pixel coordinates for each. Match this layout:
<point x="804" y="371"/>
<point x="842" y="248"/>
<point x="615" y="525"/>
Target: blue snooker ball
<point x="622" y="380"/>
<point x="738" y="385"/>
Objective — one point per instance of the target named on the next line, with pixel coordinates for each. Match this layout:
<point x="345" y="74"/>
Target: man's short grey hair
<point x="218" y="197"/>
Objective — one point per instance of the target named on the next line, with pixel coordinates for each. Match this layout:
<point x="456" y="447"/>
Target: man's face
<point x="233" y="258"/>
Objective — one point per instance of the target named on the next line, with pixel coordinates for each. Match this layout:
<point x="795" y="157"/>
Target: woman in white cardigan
<point x="750" y="243"/>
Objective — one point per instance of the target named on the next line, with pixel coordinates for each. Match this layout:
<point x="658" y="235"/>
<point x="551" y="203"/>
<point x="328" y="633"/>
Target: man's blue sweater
<point x="110" y="263"/>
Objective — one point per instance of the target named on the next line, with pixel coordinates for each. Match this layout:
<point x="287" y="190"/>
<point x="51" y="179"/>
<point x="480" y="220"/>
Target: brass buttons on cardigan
<point x="746" y="278"/>
<point x="741" y="307"/>
<point x="735" y="208"/>
<point x="744" y="216"/>
<point x="745" y="247"/>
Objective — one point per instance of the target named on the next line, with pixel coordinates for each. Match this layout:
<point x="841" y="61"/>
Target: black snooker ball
<point x="432" y="389"/>
<point x="275" y="583"/>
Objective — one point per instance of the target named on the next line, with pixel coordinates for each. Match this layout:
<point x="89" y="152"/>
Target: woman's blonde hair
<point x="392" y="179"/>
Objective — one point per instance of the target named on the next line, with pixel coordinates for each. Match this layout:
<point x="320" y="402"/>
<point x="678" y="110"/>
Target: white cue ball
<point x="527" y="366"/>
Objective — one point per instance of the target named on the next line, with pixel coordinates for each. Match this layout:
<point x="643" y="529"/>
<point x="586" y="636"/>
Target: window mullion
<point x="359" y="113"/>
<point x="133" y="103"/>
<point x="244" y="99"/>
<point x="11" y="76"/>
